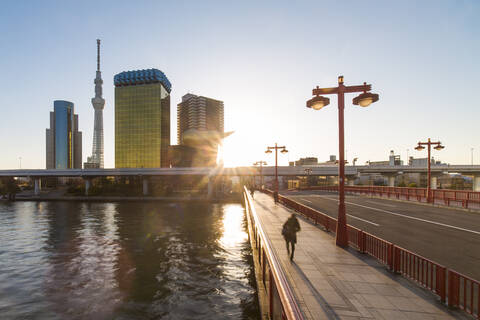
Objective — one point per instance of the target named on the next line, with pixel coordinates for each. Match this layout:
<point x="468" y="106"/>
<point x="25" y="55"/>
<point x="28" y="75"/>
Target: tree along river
<point x="129" y="260"/>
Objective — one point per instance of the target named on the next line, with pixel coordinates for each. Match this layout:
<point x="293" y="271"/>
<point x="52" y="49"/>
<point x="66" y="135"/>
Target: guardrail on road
<point x="453" y="198"/>
<point x="463" y="292"/>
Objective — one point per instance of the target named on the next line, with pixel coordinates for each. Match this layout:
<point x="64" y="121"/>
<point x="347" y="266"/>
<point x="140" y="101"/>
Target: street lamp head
<point x="419" y="148"/>
<point x="284" y="151"/>
<point x="318" y="102"/>
<point x="439" y="147"/>
<point x="365" y="99"/>
<point x="268" y="151"/>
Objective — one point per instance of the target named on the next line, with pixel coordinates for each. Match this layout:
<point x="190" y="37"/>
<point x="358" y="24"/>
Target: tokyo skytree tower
<point x="96" y="160"/>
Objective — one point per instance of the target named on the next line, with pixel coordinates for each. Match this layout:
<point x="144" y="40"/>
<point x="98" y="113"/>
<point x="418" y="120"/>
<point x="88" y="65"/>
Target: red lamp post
<point x="261" y="164"/>
<point x="282" y="149"/>
<point x="317" y="103"/>
<point x="420" y="147"/>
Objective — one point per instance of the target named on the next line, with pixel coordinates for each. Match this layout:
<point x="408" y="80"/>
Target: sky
<point x="262" y="58"/>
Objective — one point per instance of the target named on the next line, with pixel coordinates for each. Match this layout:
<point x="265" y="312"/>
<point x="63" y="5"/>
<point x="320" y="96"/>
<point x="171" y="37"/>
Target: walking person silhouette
<point x="289" y="232"/>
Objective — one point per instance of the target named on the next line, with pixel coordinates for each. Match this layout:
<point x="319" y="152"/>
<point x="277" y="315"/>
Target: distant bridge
<point x="314" y="170"/>
<point x="320" y="170"/>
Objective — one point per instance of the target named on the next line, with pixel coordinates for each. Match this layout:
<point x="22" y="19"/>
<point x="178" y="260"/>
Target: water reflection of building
<point x="63" y="140"/>
<point x="142" y="119"/>
<point x="200" y="131"/>
<point x="83" y="260"/>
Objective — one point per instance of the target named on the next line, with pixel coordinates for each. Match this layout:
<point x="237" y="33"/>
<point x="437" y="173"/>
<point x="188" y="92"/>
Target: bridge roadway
<point x="318" y="170"/>
<point x="447" y="236"/>
<point x="331" y="283"/>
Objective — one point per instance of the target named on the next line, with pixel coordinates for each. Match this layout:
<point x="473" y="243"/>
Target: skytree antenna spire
<point x="98" y="54"/>
<point x="96" y="160"/>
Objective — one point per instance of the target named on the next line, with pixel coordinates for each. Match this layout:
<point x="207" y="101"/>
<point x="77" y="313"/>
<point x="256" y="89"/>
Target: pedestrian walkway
<point x="333" y="283"/>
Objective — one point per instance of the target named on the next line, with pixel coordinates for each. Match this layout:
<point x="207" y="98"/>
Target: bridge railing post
<point x="453" y="289"/>
<point x="440" y="282"/>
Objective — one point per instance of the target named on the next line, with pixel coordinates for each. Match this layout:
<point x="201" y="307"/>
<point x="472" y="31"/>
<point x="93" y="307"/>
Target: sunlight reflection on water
<point x="125" y="260"/>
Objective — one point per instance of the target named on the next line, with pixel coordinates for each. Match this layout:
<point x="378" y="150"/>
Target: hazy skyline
<point x="262" y="60"/>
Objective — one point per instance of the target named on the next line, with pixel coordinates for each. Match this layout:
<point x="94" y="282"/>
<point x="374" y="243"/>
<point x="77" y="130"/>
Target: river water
<point x="130" y="260"/>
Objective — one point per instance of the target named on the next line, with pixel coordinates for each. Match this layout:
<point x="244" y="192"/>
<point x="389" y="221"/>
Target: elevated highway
<point x="321" y="170"/>
<point x="286" y="171"/>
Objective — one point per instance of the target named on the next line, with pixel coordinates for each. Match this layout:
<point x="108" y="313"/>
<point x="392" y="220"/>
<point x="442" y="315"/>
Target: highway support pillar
<point x="476" y="183"/>
<point x="433" y="182"/>
<point x="38" y="186"/>
<point x="145" y="186"/>
<point x="391" y="179"/>
<point x="210" y="187"/>
<point x="87" y="186"/>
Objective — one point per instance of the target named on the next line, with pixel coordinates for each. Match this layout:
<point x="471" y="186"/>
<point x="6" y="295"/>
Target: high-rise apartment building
<point x="63" y="140"/>
<point x="199" y="132"/>
<point x="142" y="119"/>
<point x="198" y="113"/>
<point x="96" y="160"/>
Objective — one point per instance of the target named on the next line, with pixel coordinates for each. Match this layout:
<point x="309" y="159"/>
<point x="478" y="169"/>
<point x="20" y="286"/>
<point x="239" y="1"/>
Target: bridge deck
<point x="332" y="283"/>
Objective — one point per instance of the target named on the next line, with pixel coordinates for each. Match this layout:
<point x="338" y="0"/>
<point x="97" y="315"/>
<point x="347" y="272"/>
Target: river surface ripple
<point x="76" y="260"/>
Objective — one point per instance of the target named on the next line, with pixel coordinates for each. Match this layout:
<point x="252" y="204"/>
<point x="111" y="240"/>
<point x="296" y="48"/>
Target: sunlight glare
<point x="233" y="232"/>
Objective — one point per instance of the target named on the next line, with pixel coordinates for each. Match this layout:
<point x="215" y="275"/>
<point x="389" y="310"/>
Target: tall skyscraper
<point x="142" y="119"/>
<point x="63" y="140"/>
<point x="199" y="131"/>
<point x="96" y="160"/>
<point x="200" y="114"/>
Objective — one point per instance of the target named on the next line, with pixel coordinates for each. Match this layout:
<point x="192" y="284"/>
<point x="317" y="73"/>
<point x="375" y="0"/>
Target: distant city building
<point x="423" y="162"/>
<point x="198" y="113"/>
<point x="306" y="161"/>
<point x="393" y="160"/>
<point x="63" y="140"/>
<point x="142" y="119"/>
<point x="200" y="130"/>
<point x="96" y="160"/>
<point x="331" y="161"/>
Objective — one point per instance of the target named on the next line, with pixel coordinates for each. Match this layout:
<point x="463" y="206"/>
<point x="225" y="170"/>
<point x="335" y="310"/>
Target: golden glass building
<point x="142" y="119"/>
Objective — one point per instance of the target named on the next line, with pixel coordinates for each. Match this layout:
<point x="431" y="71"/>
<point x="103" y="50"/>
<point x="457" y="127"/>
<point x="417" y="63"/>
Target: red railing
<point x="427" y="273"/>
<point x="378" y="248"/>
<point x="454" y="198"/>
<point x="281" y="301"/>
<point x="463" y="292"/>
<point x="356" y="238"/>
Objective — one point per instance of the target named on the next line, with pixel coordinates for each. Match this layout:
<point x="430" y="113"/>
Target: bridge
<point x="351" y="172"/>
<point x="318" y="170"/>
<point x="384" y="274"/>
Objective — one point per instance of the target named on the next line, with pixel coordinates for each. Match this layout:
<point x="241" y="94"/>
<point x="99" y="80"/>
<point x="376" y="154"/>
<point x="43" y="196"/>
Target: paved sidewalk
<point x="333" y="283"/>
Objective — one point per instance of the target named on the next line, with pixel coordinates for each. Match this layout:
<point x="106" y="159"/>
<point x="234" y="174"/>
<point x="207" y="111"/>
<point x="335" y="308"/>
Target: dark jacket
<point x="290" y="229"/>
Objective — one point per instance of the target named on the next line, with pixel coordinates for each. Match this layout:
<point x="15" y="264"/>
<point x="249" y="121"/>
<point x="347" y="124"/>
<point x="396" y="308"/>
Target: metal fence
<point x="451" y="198"/>
<point x="464" y="293"/>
